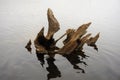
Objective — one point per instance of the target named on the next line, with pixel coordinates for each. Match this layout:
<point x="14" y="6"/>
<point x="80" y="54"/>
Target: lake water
<point x="21" y="20"/>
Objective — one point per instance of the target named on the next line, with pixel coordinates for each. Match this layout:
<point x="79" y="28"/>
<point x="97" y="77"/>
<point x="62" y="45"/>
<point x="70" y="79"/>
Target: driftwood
<point x="75" y="40"/>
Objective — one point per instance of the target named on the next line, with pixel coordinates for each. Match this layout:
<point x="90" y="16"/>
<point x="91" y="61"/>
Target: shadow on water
<point x="74" y="58"/>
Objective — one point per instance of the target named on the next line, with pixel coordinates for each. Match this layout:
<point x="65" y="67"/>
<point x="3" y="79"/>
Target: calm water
<point x="21" y="20"/>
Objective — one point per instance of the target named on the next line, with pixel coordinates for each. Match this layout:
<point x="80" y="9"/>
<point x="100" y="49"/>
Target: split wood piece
<point x="82" y="42"/>
<point x="80" y="31"/>
<point x="72" y="44"/>
<point x="53" y="24"/>
<point x="93" y="40"/>
<point x="40" y="36"/>
<point x="69" y="33"/>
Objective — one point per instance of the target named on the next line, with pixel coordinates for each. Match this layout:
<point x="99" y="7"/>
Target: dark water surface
<point x="21" y="20"/>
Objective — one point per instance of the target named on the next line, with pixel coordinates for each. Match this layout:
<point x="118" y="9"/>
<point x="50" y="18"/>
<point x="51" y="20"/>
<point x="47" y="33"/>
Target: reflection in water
<point x="40" y="58"/>
<point x="74" y="58"/>
<point x="94" y="46"/>
<point x="52" y="69"/>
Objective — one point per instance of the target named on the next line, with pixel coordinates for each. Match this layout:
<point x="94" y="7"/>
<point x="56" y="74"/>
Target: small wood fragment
<point x="93" y="40"/>
<point x="28" y="46"/>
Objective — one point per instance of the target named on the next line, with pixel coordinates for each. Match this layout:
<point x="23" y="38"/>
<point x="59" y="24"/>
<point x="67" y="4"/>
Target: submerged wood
<point x="74" y="41"/>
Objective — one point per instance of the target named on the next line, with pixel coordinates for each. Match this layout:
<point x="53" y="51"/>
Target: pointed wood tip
<point x="49" y="11"/>
<point x="88" y="24"/>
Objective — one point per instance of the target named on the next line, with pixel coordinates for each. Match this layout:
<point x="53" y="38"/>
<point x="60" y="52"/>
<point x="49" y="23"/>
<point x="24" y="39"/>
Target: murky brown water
<point x="22" y="20"/>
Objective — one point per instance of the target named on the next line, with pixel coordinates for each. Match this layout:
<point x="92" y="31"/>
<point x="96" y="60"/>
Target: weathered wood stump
<point x="74" y="41"/>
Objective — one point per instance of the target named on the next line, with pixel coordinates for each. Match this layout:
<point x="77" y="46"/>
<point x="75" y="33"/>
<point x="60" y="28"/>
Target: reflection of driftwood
<point x="74" y="59"/>
<point x="52" y="69"/>
<point x="75" y="38"/>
